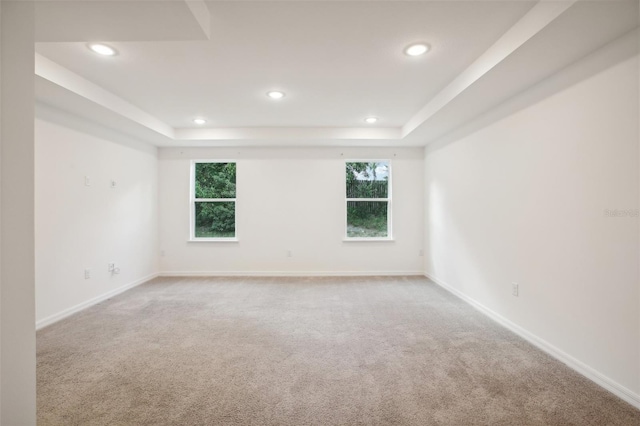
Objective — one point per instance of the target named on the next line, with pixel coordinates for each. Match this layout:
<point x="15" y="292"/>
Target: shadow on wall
<point x="615" y="52"/>
<point x="438" y="244"/>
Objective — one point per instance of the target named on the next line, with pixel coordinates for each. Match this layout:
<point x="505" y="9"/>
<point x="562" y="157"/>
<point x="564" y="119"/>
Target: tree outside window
<point x="368" y="199"/>
<point x="213" y="200"/>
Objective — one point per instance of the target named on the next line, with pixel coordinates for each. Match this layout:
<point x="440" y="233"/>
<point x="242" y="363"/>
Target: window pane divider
<point x="368" y="199"/>
<point x="214" y="200"/>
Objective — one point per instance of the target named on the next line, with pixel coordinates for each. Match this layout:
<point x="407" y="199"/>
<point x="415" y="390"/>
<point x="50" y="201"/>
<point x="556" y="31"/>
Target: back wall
<point x="290" y="199"/>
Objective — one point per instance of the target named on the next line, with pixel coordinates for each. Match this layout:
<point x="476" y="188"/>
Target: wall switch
<point x="87" y="274"/>
<point x="515" y="289"/>
<point x="87" y="181"/>
<point x="289" y="253"/>
<point x="421" y="253"/>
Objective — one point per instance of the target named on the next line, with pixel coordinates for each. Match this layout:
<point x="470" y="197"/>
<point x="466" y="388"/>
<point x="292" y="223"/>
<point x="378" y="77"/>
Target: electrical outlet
<point x="515" y="289"/>
<point x="114" y="184"/>
<point x="87" y="274"/>
<point x="421" y="253"/>
<point x="111" y="267"/>
<point x="87" y="181"/>
<point x="289" y="253"/>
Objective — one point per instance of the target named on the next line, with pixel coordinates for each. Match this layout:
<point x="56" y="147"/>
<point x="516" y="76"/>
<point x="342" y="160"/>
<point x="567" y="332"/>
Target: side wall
<point x="80" y="226"/>
<point x="291" y="199"/>
<point x="548" y="198"/>
<point x="18" y="345"/>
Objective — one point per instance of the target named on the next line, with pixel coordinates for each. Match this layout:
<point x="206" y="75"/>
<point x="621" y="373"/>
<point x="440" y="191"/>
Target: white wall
<point x="18" y="345"/>
<point x="291" y="199"/>
<point x="79" y="226"/>
<point x="523" y="200"/>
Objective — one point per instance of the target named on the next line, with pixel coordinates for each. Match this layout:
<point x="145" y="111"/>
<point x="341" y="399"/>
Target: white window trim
<point x="389" y="201"/>
<point x="193" y="201"/>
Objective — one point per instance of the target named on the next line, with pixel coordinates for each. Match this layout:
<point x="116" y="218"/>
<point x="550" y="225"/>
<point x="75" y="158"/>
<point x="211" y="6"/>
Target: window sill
<point x="212" y="240"/>
<point x="361" y="240"/>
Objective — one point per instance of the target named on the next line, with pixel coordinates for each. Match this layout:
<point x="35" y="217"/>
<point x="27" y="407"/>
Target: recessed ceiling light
<point x="199" y="121"/>
<point x="371" y="120"/>
<point x="417" y="49"/>
<point x="102" y="49"/>
<point x="275" y="94"/>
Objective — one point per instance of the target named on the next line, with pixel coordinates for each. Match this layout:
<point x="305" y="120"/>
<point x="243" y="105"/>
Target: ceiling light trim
<point x="276" y="95"/>
<point x="102" y="49"/>
<point x="417" y="49"/>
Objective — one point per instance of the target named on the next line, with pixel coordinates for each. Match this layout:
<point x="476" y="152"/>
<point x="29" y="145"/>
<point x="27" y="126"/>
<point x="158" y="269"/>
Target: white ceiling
<point x="337" y="61"/>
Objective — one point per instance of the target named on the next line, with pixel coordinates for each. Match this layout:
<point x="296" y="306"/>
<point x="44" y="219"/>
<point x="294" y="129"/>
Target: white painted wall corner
<point x="91" y="302"/>
<point x="595" y="376"/>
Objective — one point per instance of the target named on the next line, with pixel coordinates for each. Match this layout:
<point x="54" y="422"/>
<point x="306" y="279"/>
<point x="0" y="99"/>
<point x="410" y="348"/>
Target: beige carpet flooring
<point x="303" y="351"/>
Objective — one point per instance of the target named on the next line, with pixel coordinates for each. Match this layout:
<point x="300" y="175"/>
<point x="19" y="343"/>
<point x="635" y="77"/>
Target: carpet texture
<point x="303" y="351"/>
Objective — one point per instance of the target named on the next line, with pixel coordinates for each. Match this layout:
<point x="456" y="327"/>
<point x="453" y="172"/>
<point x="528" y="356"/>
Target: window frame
<point x="389" y="201"/>
<point x="193" y="200"/>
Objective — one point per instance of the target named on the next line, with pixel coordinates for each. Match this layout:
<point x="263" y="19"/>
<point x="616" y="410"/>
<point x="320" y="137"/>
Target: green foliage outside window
<point x="215" y="219"/>
<point x="215" y="180"/>
<point x="367" y="219"/>
<point x="364" y="180"/>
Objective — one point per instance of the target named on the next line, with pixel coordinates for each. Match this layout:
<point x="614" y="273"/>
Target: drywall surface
<point x="291" y="200"/>
<point x="96" y="203"/>
<point x="547" y="198"/>
<point x="18" y="343"/>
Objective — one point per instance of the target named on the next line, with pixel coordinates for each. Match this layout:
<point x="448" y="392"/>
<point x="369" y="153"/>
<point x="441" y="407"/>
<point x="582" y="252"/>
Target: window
<point x="213" y="200"/>
<point x="368" y="199"/>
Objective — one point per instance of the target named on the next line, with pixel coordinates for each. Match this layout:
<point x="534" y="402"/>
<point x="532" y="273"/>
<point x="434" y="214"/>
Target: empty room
<point x="319" y="212"/>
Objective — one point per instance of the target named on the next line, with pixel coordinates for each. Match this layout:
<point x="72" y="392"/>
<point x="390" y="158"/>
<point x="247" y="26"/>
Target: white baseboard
<point x="600" y="379"/>
<point x="84" y="305"/>
<point x="288" y="273"/>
